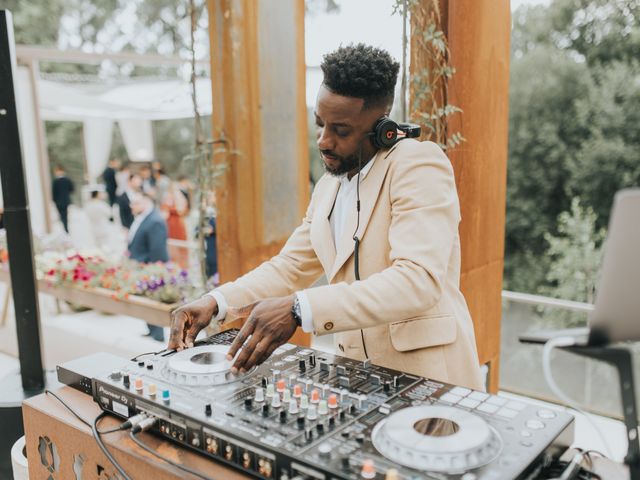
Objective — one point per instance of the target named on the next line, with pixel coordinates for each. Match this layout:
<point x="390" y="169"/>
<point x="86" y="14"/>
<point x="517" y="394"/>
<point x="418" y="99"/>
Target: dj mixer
<point x="307" y="414"/>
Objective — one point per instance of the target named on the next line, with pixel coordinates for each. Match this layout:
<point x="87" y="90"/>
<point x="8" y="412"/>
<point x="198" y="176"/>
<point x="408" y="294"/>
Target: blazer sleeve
<point x="424" y="222"/>
<point x="296" y="267"/>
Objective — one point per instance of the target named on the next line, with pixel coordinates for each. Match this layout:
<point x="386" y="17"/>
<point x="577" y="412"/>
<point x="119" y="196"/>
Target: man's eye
<point x="342" y="133"/>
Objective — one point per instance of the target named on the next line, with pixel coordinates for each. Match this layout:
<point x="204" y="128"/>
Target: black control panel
<point x="307" y="414"/>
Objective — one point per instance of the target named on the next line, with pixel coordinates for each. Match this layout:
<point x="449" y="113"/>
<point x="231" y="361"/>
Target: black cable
<point x="356" y="248"/>
<point x="135" y="359"/>
<point x="103" y="447"/>
<point x="121" y="427"/>
<point x="145" y="447"/>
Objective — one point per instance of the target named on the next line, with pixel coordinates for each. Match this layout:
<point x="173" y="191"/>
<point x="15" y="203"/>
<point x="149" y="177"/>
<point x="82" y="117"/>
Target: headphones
<point x="386" y="133"/>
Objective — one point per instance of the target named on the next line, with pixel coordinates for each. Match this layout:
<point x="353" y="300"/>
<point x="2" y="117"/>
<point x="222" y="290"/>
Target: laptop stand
<point x="620" y="358"/>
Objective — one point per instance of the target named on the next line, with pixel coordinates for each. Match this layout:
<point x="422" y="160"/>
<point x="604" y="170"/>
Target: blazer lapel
<point x="369" y="191"/>
<point x="321" y="237"/>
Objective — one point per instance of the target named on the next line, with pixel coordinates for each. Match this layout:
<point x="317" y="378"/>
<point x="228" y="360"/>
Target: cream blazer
<point x="407" y="311"/>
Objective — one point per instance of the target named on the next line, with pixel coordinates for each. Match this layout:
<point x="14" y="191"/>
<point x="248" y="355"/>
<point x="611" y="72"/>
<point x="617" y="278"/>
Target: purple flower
<point x="184" y="274"/>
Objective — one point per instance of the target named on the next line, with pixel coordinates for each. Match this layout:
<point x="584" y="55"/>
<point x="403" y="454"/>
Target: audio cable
<point x="96" y="433"/>
<point x="557" y="391"/>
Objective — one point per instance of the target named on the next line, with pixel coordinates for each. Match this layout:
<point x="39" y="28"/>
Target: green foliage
<point x="574" y="128"/>
<point x="576" y="253"/>
<point x="429" y="106"/>
<point x="174" y="139"/>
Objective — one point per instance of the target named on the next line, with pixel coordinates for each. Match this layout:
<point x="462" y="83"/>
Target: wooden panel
<point x="478" y="32"/>
<point x="479" y="42"/>
<point x="258" y="82"/>
<point x="258" y="105"/>
<point x="478" y="35"/>
<point x="47" y="422"/>
<point x="482" y="289"/>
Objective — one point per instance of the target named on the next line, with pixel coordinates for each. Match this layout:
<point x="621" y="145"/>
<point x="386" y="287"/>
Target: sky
<point x="324" y="32"/>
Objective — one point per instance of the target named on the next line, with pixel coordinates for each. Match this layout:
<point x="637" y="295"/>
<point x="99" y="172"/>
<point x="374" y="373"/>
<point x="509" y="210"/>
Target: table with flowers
<point x="116" y="286"/>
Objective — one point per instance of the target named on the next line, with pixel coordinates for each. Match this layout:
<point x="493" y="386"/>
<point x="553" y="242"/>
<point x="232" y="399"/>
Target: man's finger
<point x="178" y="322"/>
<point x="263" y="350"/>
<point x="245" y="353"/>
<point x="239" y="313"/>
<point x="244" y="333"/>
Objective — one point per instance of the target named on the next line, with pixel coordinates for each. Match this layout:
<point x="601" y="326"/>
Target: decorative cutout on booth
<point x="48" y="456"/>
<point x="78" y="463"/>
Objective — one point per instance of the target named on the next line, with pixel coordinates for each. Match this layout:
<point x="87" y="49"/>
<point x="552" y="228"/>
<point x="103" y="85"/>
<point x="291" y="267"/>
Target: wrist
<point x="296" y="312"/>
<point x="211" y="303"/>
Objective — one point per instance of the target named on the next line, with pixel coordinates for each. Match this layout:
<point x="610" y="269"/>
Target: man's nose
<point x="325" y="140"/>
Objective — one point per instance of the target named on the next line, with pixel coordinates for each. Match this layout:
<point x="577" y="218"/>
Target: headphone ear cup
<point x="385" y="133"/>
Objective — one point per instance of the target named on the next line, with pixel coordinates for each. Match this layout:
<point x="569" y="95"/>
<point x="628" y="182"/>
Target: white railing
<point x="539" y="300"/>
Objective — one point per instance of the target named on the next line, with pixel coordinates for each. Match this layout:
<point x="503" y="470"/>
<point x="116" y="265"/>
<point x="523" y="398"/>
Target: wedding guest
<point x="148" y="240"/>
<point x="161" y="184"/>
<point x="122" y="179"/>
<point x="109" y="177"/>
<point x="185" y="187"/>
<point x="100" y="216"/>
<point x="62" y="188"/>
<point x="174" y="208"/>
<point x="124" y="201"/>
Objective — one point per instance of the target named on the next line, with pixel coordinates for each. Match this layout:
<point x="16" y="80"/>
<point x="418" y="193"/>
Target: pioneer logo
<point x="113" y="395"/>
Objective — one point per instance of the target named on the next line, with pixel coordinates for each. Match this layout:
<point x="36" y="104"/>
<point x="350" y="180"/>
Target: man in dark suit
<point x="148" y="240"/>
<point x="109" y="177"/>
<point x="124" y="200"/>
<point x="62" y="189"/>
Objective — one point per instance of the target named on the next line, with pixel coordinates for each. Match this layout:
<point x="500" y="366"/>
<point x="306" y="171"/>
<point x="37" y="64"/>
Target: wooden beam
<point x="478" y="35"/>
<point x="258" y="82"/>
<point x="479" y="32"/>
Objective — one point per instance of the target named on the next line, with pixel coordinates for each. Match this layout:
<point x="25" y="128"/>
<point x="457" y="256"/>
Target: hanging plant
<point x="201" y="158"/>
<point x="428" y="85"/>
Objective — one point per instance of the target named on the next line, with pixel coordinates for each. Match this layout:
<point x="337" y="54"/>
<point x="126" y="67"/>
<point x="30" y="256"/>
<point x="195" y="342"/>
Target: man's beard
<point x="346" y="164"/>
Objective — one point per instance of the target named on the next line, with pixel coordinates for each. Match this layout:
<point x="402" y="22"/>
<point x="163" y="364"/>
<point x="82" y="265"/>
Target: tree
<point x="574" y="127"/>
<point x="575" y="253"/>
<point x="543" y="138"/>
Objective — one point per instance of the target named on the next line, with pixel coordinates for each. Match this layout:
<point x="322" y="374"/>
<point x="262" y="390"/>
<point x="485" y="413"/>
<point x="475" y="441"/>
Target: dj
<point x="406" y="311"/>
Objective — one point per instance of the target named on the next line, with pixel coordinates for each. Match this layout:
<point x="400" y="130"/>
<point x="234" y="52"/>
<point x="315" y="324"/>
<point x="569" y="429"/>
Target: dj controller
<point x="307" y="414"/>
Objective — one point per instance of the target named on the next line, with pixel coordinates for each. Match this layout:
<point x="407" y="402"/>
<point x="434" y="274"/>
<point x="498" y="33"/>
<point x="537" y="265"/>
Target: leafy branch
<point x="207" y="172"/>
<point x="429" y="106"/>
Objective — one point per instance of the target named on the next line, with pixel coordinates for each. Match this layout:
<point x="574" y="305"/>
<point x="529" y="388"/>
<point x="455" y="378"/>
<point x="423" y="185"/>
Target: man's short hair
<point x="361" y="71"/>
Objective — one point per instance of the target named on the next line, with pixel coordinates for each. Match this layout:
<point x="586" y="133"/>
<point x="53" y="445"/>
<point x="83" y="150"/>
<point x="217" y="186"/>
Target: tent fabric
<point x="134" y="105"/>
<point x="137" y="136"/>
<point x="145" y="100"/>
<point x="98" y="135"/>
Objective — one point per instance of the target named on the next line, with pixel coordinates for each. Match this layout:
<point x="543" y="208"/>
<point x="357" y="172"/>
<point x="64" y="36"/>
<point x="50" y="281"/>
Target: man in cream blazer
<point x="406" y="312"/>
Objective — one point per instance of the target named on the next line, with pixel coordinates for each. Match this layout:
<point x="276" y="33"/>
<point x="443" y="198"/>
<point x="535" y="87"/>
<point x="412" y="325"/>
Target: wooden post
<point x="258" y="82"/>
<point x="478" y="35"/>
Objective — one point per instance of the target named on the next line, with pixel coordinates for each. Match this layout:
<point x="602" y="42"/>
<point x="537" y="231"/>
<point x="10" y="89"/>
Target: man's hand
<point x="189" y="319"/>
<point x="269" y="325"/>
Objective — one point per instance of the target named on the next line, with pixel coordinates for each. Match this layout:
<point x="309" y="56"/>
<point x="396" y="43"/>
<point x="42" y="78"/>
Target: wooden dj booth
<point x="59" y="446"/>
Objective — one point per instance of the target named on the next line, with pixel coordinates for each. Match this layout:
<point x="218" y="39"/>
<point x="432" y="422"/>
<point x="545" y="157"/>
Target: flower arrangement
<point x="163" y="282"/>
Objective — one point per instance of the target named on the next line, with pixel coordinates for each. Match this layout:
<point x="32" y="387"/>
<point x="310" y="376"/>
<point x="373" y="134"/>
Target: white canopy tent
<point x="133" y="104"/>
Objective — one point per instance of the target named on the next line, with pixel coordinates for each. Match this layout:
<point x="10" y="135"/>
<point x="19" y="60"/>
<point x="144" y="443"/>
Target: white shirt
<point x="345" y="204"/>
<point x="136" y="223"/>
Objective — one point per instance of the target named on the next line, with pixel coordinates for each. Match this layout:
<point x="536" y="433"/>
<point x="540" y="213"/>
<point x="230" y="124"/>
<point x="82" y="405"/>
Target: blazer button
<point x="328" y="325"/>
